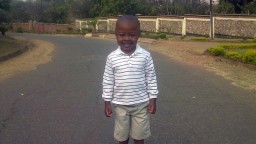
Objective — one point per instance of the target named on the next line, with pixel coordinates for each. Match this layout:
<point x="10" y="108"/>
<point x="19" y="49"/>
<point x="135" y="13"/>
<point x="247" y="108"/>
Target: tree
<point x="93" y="22"/>
<point x="56" y="14"/>
<point x="238" y="4"/>
<point x="4" y="16"/>
<point x="84" y="8"/>
<point x="5" y="5"/>
<point x="224" y="8"/>
<point x="22" y="11"/>
<point x="250" y="8"/>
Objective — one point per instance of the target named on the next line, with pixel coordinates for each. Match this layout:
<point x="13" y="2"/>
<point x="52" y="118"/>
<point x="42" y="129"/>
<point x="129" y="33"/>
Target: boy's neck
<point x="130" y="52"/>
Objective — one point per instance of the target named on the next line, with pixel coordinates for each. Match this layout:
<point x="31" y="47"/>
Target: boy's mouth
<point x="127" y="45"/>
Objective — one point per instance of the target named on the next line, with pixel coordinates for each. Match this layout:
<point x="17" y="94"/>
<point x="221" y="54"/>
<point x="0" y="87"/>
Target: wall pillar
<point x="80" y="26"/>
<point x="213" y="26"/>
<point x="157" y="24"/>
<point x="184" y="26"/>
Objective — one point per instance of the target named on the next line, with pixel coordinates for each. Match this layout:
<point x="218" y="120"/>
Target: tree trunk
<point x="3" y="33"/>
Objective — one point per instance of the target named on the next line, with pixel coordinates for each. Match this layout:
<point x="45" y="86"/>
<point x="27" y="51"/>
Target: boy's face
<point x="127" y="35"/>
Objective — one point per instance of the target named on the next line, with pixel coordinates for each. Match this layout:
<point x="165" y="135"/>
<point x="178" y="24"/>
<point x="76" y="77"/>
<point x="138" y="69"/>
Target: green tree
<point x="22" y="11"/>
<point x="250" y="8"/>
<point x="58" y="13"/>
<point x="224" y="8"/>
<point x="5" y="5"/>
<point x="84" y="8"/>
<point x="238" y="4"/>
<point x="4" y="16"/>
<point x="93" y="22"/>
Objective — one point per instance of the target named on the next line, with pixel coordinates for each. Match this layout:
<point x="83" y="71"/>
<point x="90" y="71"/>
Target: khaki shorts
<point x="133" y="121"/>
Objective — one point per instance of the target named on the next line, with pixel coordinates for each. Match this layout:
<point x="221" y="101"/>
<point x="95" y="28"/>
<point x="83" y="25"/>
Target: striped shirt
<point x="129" y="80"/>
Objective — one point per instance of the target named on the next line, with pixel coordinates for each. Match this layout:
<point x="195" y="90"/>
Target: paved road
<point x="62" y="101"/>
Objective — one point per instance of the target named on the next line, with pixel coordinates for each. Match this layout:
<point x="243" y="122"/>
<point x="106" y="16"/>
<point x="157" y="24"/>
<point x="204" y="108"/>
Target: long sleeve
<point x="151" y="80"/>
<point x="108" y="81"/>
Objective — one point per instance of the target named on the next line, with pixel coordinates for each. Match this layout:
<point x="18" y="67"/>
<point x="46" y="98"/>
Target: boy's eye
<point x="121" y="34"/>
<point x="132" y="34"/>
<point x="128" y="34"/>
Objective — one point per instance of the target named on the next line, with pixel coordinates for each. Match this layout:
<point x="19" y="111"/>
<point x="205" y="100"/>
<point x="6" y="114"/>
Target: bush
<point x="238" y="46"/>
<point x="19" y="30"/>
<point x="217" y="51"/>
<point x="162" y="36"/>
<point x="233" y="55"/>
<point x="70" y="29"/>
<point x="250" y="56"/>
<point x="4" y="27"/>
<point x="87" y="30"/>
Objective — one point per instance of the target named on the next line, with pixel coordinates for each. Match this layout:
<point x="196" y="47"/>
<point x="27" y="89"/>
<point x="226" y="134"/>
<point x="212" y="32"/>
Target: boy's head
<point x="127" y="33"/>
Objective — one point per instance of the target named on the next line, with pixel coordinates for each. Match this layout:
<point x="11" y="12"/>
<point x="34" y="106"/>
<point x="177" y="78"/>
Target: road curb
<point x="14" y="54"/>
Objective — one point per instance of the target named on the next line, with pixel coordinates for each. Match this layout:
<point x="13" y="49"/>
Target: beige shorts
<point x="132" y="121"/>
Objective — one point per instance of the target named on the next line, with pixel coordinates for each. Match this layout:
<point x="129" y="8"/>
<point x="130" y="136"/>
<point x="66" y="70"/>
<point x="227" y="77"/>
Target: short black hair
<point x="128" y="18"/>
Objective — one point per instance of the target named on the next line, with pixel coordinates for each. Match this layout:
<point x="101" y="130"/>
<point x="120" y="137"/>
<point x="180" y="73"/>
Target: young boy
<point x="129" y="83"/>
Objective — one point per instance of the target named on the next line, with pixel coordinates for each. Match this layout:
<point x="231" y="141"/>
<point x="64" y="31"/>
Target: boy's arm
<point x="151" y="85"/>
<point x="108" y="86"/>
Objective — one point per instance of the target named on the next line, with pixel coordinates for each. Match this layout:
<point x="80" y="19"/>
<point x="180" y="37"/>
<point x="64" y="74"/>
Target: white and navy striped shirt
<point x="129" y="80"/>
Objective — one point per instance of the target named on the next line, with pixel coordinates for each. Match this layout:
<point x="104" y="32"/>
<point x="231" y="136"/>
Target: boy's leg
<point x="140" y="128"/>
<point x="122" y="124"/>
<point x="124" y="142"/>
<point x="138" y="141"/>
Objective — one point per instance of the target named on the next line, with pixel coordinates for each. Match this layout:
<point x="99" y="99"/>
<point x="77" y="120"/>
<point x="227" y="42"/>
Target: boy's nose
<point x="127" y="37"/>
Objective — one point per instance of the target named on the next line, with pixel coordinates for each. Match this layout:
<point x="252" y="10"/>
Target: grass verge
<point x="10" y="45"/>
<point x="238" y="52"/>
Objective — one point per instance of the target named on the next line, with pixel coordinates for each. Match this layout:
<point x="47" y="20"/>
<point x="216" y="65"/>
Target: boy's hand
<point x="108" y="109"/>
<point x="152" y="106"/>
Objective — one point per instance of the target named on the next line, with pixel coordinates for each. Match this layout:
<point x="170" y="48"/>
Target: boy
<point x="129" y="83"/>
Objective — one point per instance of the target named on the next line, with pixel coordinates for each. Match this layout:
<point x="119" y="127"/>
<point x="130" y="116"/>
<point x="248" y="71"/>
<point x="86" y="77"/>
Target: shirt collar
<point x="137" y="50"/>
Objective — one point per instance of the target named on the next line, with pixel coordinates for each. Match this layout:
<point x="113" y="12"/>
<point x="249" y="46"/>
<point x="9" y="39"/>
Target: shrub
<point x="250" y="56"/>
<point x="70" y="29"/>
<point x="4" y="27"/>
<point x="19" y="30"/>
<point x="238" y="46"/>
<point x="87" y="30"/>
<point x="233" y="55"/>
<point x="58" y="30"/>
<point x="216" y="51"/>
<point x="162" y="36"/>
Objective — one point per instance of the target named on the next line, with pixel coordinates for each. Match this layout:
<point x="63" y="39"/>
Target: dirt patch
<point x="193" y="53"/>
<point x="39" y="53"/>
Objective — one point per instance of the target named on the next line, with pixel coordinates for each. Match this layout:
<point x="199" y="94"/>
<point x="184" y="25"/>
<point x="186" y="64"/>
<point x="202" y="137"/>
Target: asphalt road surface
<point x="60" y="102"/>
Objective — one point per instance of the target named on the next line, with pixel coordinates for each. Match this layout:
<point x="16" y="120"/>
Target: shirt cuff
<point x="107" y="99"/>
<point x="152" y="96"/>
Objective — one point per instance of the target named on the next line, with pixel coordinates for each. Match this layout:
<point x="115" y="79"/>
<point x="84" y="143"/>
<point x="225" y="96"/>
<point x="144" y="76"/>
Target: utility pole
<point x="211" y="20"/>
<point x="167" y="7"/>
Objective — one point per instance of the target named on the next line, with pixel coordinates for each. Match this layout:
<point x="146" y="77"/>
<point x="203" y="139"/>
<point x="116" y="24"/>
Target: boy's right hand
<point x="108" y="109"/>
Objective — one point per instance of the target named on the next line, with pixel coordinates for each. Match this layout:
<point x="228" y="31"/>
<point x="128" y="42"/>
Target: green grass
<point x="9" y="45"/>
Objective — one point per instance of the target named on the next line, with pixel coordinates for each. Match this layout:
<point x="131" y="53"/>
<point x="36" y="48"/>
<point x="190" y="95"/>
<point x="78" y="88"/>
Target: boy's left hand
<point x="152" y="106"/>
